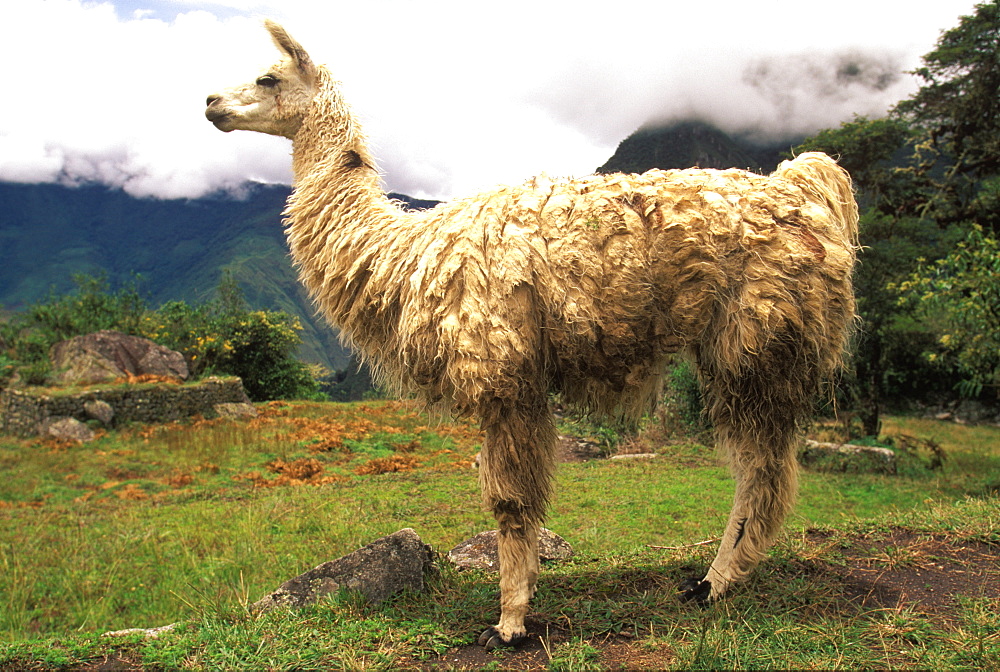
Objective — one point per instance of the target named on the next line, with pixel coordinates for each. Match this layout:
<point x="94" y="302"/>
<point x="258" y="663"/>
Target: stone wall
<point x="22" y="412"/>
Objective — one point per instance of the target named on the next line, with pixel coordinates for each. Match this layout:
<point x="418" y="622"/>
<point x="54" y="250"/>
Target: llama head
<point x="277" y="100"/>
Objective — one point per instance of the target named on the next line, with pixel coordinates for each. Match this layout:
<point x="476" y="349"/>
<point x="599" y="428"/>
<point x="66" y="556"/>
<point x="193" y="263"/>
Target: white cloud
<point x="455" y="95"/>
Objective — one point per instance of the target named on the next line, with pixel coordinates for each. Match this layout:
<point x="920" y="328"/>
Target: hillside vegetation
<point x="181" y="250"/>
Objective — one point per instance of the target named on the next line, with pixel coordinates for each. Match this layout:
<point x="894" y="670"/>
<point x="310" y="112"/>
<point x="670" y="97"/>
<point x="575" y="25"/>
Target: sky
<point x="455" y="96"/>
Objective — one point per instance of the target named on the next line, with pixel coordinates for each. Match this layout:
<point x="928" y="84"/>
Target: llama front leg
<point x="515" y="472"/>
<point x="766" y="483"/>
<point x="518" y="547"/>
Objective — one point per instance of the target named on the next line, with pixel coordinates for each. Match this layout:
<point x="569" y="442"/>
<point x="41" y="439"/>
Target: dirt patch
<point x="112" y="663"/>
<point x="902" y="568"/>
<point x="573" y="449"/>
<point x="616" y="652"/>
<point x="620" y="653"/>
<point x="529" y="655"/>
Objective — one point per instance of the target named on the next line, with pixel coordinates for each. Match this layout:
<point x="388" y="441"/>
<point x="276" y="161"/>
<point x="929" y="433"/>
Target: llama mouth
<point x="219" y="119"/>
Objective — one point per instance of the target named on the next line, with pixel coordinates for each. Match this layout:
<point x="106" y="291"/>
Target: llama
<point x="584" y="288"/>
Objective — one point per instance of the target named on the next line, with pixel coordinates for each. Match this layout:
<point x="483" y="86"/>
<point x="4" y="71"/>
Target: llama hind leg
<point x="766" y="483"/>
<point x="515" y="473"/>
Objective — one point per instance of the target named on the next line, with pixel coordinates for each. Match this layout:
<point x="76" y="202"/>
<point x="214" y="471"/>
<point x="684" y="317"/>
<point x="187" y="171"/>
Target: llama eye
<point x="267" y="80"/>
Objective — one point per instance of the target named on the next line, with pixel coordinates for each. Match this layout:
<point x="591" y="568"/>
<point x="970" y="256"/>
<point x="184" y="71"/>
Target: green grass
<point x="193" y="521"/>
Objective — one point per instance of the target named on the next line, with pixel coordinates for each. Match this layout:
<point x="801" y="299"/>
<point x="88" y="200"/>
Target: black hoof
<point x="697" y="591"/>
<point x="491" y="639"/>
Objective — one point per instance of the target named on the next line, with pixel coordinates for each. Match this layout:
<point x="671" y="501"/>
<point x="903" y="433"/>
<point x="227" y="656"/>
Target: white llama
<point x="583" y="288"/>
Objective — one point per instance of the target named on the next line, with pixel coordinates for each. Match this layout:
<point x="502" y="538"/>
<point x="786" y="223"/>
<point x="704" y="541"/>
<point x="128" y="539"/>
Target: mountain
<point x="180" y="248"/>
<point x="689" y="144"/>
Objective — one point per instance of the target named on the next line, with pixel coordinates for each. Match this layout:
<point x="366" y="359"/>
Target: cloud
<point x="120" y="102"/>
<point x="456" y="96"/>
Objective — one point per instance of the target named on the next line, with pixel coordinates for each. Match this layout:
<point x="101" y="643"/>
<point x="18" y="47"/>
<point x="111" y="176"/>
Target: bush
<point x="194" y="331"/>
<point x="91" y="307"/>
<point x="682" y="407"/>
<point x="7" y="368"/>
<point x="960" y="297"/>
<point x="262" y="344"/>
<point x="224" y="336"/>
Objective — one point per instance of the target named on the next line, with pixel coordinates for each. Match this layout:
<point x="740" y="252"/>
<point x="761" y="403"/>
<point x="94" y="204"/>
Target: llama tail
<point x="828" y="185"/>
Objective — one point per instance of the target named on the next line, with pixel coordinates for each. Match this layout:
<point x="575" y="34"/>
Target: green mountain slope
<point x="48" y="233"/>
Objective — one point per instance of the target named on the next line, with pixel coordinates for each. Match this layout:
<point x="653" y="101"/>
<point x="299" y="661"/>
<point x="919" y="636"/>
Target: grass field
<point x="192" y="521"/>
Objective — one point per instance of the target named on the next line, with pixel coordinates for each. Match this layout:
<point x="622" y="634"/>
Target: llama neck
<point x="337" y="214"/>
<point x="330" y="144"/>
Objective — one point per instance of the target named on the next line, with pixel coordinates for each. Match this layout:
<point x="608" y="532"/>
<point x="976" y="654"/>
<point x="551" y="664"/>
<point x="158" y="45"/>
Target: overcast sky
<point x="455" y="96"/>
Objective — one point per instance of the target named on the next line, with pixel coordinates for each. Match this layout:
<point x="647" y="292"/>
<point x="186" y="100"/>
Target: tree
<point x="925" y="174"/>
<point x="885" y="361"/>
<point x="870" y="150"/>
<point x="957" y="112"/>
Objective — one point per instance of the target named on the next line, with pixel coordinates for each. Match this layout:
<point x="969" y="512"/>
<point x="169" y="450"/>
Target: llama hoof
<point x="491" y="639"/>
<point x="696" y="590"/>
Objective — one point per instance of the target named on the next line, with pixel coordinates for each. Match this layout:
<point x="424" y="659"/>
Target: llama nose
<point x="212" y="99"/>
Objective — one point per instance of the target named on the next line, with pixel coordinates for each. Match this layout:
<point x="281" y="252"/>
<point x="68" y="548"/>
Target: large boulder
<point x="105" y="356"/>
<point x="384" y="567"/>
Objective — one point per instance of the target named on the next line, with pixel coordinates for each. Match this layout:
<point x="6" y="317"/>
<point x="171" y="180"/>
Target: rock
<point x="847" y="457"/>
<point x="480" y="552"/>
<point x="105" y="356"/>
<point x="66" y="429"/>
<point x="634" y="456"/>
<point x="379" y="570"/>
<point x="148" y="633"/>
<point x="236" y="411"/>
<point x="99" y="410"/>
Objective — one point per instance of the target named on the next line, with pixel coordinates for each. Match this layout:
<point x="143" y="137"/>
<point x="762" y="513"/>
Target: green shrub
<point x="7" y="368"/>
<point x="91" y="307"/>
<point x="226" y="337"/>
<point x="194" y="331"/>
<point x="262" y="344"/>
<point x="682" y="397"/>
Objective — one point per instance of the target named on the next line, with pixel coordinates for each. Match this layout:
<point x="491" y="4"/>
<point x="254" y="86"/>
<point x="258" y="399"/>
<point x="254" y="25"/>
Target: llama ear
<point x="289" y="46"/>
